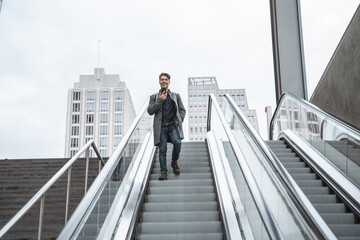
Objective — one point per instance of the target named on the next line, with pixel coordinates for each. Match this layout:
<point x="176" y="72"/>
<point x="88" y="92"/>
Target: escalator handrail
<point x="322" y="227"/>
<point x="352" y="130"/>
<point x="269" y="221"/>
<point x="99" y="183"/>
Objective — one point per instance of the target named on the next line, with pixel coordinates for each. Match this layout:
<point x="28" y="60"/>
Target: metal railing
<point x="40" y="195"/>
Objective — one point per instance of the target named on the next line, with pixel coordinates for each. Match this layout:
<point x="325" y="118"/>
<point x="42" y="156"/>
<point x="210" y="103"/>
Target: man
<point x="169" y="114"/>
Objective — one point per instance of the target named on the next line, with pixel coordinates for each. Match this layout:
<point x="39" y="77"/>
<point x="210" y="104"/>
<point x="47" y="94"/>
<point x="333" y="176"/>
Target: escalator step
<point x="309" y="183"/>
<point x="322" y="198"/>
<point x="336" y="218"/>
<point x="187" y="170"/>
<point x="201" y="236"/>
<point x="180" y="227"/>
<point x="315" y="190"/>
<point x="346" y="230"/>
<point x="180" y="216"/>
<point x="309" y="176"/>
<point x="187" y="164"/>
<point x="179" y="207"/>
<point x="181" y="183"/>
<point x="156" y="198"/>
<point x="172" y="176"/>
<point x="181" y="190"/>
<point x="330" y="208"/>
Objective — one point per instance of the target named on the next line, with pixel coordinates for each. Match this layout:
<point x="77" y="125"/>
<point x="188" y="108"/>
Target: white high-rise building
<point x="100" y="108"/>
<point x="199" y="89"/>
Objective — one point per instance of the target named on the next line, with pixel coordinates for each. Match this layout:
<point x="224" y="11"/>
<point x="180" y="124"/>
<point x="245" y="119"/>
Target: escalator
<point x="336" y="213"/>
<point x="232" y="186"/>
<point x="184" y="206"/>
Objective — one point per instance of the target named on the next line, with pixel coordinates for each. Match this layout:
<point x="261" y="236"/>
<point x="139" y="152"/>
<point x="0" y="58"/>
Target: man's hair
<point x="164" y="74"/>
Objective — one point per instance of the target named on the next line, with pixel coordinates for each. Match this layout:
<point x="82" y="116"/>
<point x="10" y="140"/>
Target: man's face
<point x="164" y="82"/>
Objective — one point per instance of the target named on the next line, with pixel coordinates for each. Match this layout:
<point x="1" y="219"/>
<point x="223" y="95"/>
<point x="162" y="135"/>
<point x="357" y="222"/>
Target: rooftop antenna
<point x="98" y="68"/>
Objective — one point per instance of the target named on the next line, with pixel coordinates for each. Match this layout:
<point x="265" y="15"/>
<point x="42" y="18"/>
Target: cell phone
<point x="163" y="89"/>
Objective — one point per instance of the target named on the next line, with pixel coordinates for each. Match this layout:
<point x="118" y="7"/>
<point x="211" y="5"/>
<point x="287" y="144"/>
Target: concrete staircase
<point x="343" y="223"/>
<point x="184" y="206"/>
<point x="20" y="179"/>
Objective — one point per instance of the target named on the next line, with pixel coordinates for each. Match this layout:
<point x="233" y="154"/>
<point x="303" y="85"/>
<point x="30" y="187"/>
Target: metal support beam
<point x="288" y="50"/>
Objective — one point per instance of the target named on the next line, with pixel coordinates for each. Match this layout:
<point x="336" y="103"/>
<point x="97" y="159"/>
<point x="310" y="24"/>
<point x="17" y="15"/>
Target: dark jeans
<point x="168" y="130"/>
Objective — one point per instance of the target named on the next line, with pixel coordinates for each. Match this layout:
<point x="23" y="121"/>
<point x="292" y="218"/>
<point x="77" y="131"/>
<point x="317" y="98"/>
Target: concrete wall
<point x="338" y="91"/>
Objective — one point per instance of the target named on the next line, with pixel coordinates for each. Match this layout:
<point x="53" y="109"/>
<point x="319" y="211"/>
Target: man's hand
<point x="163" y="95"/>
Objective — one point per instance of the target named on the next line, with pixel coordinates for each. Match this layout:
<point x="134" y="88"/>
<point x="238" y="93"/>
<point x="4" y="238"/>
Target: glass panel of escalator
<point x="285" y="219"/>
<point x="256" y="224"/>
<point x="336" y="142"/>
<point x="100" y="209"/>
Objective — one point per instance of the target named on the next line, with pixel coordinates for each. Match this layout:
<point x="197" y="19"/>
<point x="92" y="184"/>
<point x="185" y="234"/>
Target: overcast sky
<point x="46" y="45"/>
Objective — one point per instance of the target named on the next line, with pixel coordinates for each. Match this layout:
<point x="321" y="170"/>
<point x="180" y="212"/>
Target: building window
<point x="104" y="95"/>
<point x="103" y="152"/>
<point x="200" y="119"/>
<point x="118" y="95"/>
<point x="76" y="107"/>
<point x="195" y="119"/>
<point x="196" y="130"/>
<point x="191" y="130"/>
<point x="116" y="141"/>
<point x="103" y="142"/>
<point x="117" y="130"/>
<point x="90" y="107"/>
<point x="104" y="107"/>
<point x="103" y="130"/>
<point x="89" y="130"/>
<point x="296" y="115"/>
<point x="89" y="118"/>
<point x="118" y="106"/>
<point x="75" y="118"/>
<point x="74" y="142"/>
<point x="87" y="139"/>
<point x="191" y="119"/>
<point x="118" y="117"/>
<point x="75" y="131"/>
<point x="204" y="129"/>
<point x="72" y="153"/>
<point x="76" y="96"/>
<point x="90" y="95"/>
<point x="103" y="118"/>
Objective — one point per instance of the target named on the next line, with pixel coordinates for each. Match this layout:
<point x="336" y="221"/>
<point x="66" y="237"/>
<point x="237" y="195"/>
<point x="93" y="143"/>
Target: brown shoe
<point x="175" y="167"/>
<point x="163" y="176"/>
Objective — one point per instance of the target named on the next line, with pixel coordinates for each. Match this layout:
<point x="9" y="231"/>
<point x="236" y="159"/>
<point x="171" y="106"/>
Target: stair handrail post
<point x="87" y="153"/>
<point x="101" y="160"/>
<point x="68" y="184"/>
<point x="41" y="216"/>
